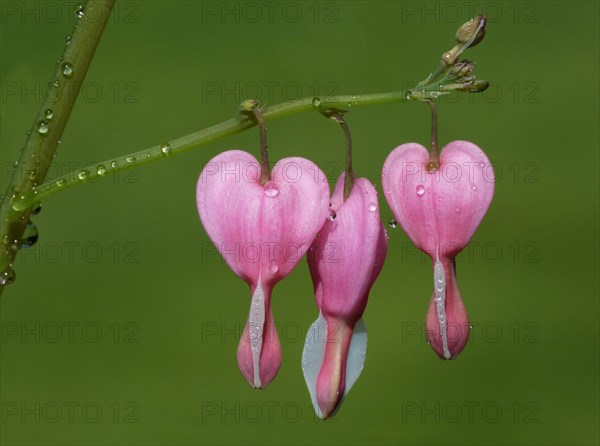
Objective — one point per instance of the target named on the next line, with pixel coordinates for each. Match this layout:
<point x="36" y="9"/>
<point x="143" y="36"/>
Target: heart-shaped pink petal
<point x="344" y="262"/>
<point x="348" y="255"/>
<point x="262" y="232"/>
<point x="440" y="211"/>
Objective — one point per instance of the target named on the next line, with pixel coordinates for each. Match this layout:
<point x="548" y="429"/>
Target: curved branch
<point x="197" y="139"/>
<point x="51" y="120"/>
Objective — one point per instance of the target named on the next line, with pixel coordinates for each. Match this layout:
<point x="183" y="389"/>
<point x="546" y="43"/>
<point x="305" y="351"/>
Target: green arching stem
<point x="43" y="139"/>
<point x="425" y="90"/>
<point x="450" y="57"/>
<point x="23" y="192"/>
<point x="265" y="169"/>
<point x="338" y="116"/>
<point x="349" y="176"/>
<point x="434" y="155"/>
<point x="202" y="137"/>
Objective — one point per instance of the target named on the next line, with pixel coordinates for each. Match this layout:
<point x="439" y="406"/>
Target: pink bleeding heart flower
<point x="440" y="211"/>
<point x="344" y="262"/>
<point x="262" y="232"/>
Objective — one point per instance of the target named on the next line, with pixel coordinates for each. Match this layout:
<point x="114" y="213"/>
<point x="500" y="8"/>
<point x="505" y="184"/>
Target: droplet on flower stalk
<point x="30" y="236"/>
<point x="79" y="11"/>
<point x="67" y="70"/>
<point x="43" y="127"/>
<point x="7" y="277"/>
<point x="165" y="149"/>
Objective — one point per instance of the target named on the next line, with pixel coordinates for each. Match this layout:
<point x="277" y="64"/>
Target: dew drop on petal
<point x="273" y="268"/>
<point x="420" y="190"/>
<point x="372" y="207"/>
<point x="473" y="187"/>
<point x="332" y="215"/>
<point x="271" y="189"/>
<point x="457" y="209"/>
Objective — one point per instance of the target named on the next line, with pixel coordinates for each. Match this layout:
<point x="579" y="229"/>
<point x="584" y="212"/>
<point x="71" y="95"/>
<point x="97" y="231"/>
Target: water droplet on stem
<point x="165" y="149"/>
<point x="67" y="70"/>
<point x="30" y="236"/>
<point x="43" y="127"/>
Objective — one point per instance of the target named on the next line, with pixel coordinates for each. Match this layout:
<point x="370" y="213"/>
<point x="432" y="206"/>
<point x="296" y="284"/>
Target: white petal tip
<point x="314" y="352"/>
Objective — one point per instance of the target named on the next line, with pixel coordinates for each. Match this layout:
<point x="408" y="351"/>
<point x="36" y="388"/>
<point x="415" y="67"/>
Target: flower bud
<point x="479" y="86"/>
<point x="248" y="105"/>
<point x="472" y="31"/>
<point x="463" y="68"/>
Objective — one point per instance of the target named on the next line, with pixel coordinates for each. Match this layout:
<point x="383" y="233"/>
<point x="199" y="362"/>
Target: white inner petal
<point x="439" y="284"/>
<point x="314" y="354"/>
<point x="256" y="322"/>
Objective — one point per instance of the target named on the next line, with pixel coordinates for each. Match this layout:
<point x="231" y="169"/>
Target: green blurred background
<point x="122" y="326"/>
